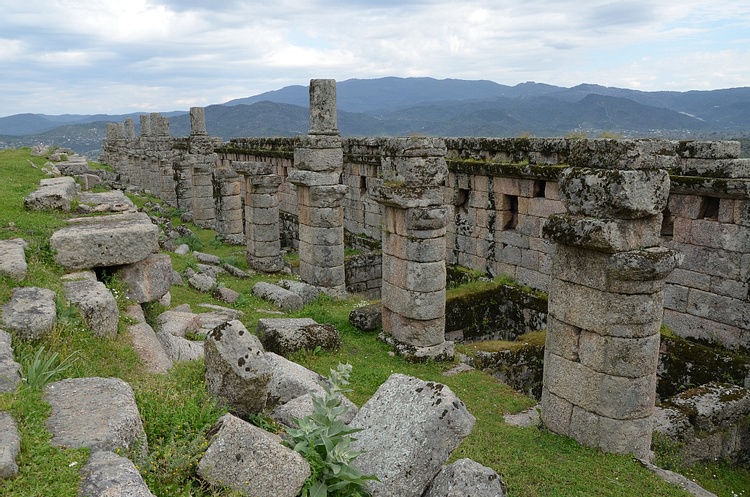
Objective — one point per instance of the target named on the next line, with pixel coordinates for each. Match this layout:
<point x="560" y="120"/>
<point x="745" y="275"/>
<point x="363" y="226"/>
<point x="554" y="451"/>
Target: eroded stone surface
<point x="31" y="312"/>
<point x="10" y="445"/>
<point x="96" y="304"/>
<point x="10" y="370"/>
<point x="467" y="478"/>
<point x="110" y="475"/>
<point x="13" y="258"/>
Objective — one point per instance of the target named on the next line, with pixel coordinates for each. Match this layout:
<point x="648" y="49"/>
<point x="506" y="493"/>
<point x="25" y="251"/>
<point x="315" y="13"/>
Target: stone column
<point x="197" y="121"/>
<point x="202" y="159"/>
<point x="262" y="216"/>
<point x="606" y="306"/>
<point x="318" y="162"/>
<point x="415" y="220"/>
<point x="129" y="128"/>
<point x="228" y="202"/>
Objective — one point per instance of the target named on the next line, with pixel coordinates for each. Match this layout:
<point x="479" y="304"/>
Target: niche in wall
<point x="709" y="208"/>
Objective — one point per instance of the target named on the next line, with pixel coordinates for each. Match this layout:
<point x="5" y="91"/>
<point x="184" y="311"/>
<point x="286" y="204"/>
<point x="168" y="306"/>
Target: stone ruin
<point x="623" y="235"/>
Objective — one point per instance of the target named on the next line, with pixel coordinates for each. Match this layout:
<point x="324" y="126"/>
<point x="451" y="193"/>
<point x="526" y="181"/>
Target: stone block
<point x="562" y="339"/>
<point x="622" y="154"/>
<point x="238" y="457"/>
<point x="30" y="313"/>
<point x="96" y="305"/>
<point x="105" y="241"/>
<point x="284" y="336"/>
<point x="420" y="219"/>
<point x="308" y="293"/>
<point x="414" y="275"/>
<point x="53" y="194"/>
<point x="413" y="304"/>
<point x="414" y="332"/>
<point x="326" y="156"/>
<point x="612" y="435"/>
<point x="322" y="236"/>
<point x="149" y="279"/>
<point x="604" y="235"/>
<point x="146" y="344"/>
<point x="676" y="297"/>
<point x="686" y="206"/>
<point x="10" y="446"/>
<point x="406" y="197"/>
<point x="13" y="258"/>
<point x="107" y="473"/>
<point x="314" y="178"/>
<point x="281" y="297"/>
<point x="406" y="455"/>
<point x="606" y="313"/>
<point x="628" y="357"/>
<point x="290" y="380"/>
<point x="367" y="318"/>
<point x="466" y="477"/>
<point x="98" y="413"/>
<point x="698" y="149"/>
<point x="299" y="407"/>
<point x="179" y="349"/>
<point x="253" y="168"/>
<point x="717" y="235"/>
<point x="237" y="371"/>
<point x="322" y="217"/>
<point x="726" y="310"/>
<point x="555" y="412"/>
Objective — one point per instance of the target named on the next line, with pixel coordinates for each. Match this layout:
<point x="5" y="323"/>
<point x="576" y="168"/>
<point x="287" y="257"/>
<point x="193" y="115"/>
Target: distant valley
<point x="403" y="106"/>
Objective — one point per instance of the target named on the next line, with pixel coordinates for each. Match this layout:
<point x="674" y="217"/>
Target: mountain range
<point x="449" y="107"/>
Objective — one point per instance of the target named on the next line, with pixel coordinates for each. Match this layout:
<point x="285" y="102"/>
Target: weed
<point x="44" y="367"/>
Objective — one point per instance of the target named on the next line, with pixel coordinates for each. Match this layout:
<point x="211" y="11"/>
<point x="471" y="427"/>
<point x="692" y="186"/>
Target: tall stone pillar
<point x="415" y="220"/>
<point x="262" y="216"/>
<point x="228" y="201"/>
<point x="606" y="306"/>
<point x="319" y="162"/>
<point x="202" y="160"/>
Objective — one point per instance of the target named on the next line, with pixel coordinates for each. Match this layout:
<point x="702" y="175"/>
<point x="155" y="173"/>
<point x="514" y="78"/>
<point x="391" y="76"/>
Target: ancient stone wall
<point x="501" y="191"/>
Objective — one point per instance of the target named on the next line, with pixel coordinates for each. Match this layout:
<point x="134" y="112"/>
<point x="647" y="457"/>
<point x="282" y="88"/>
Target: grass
<point x="177" y="411"/>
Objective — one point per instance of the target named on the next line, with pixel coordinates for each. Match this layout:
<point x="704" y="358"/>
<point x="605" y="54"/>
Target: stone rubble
<point x="107" y="474"/>
<point x="13" y="258"/>
<point x="31" y="312"/>
<point x="10" y="370"/>
<point x="10" y="445"/>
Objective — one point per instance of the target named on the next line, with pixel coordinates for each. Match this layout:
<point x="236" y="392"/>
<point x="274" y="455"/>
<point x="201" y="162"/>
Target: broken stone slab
<point x="281" y="297"/>
<point x="145" y="343"/>
<point x="147" y="280"/>
<point x="307" y="292"/>
<point x="290" y="380"/>
<point x="113" y="240"/>
<point x="299" y="407"/>
<point x="444" y="351"/>
<point x="237" y="371"/>
<point x="677" y="479"/>
<point x="10" y="445"/>
<point x="96" y="305"/>
<point x="207" y="258"/>
<point x="31" y="312"/>
<point x="367" y="318"/>
<point x="180" y="349"/>
<point x="409" y="429"/>
<point x="53" y="194"/>
<point x="88" y="181"/>
<point x="98" y="413"/>
<point x="467" y="477"/>
<point x="13" y="258"/>
<point x="178" y="323"/>
<point x="235" y="271"/>
<point x="238" y="457"/>
<point x="523" y="419"/>
<point x="115" y="200"/>
<point x="202" y="282"/>
<point x="614" y="193"/>
<point x="209" y="269"/>
<point x="182" y="249"/>
<point x="107" y="474"/>
<point x="10" y="370"/>
<point x="286" y="336"/>
<point x="216" y="316"/>
<point x="226" y="295"/>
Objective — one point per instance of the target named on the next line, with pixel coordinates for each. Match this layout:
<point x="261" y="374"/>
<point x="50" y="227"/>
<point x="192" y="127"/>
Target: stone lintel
<point x="407" y="197"/>
<point x="314" y="178"/>
<point x="253" y="168"/>
<point x="603" y="235"/>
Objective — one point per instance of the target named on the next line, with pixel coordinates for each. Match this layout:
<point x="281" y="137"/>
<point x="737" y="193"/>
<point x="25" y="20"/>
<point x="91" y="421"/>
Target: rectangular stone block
<point x="414" y="276"/>
<point x="262" y="232"/>
<point x="687" y="206"/>
<point x="319" y="159"/>
<point x="699" y="149"/>
<point x="321" y="236"/>
<point x="714" y="168"/>
<point x="556" y="413"/>
<point x="726" y="310"/>
<point x="230" y="203"/>
<point x="711" y="261"/>
<point x="562" y="339"/>
<point x="689" y="326"/>
<point x="628" y="357"/>
<point x="730" y="288"/>
<point x="676" y="297"/>
<point x="417" y="332"/>
<point x="324" y="255"/>
<point x="605" y="235"/>
<point x="720" y="235"/>
<point x="612" y="314"/>
<point x="412" y="304"/>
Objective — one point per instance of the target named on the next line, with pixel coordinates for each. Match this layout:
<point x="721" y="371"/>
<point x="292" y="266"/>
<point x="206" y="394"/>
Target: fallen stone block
<point x="10" y="445"/>
<point x="281" y="297"/>
<point x="286" y="336"/>
<point x="10" y="370"/>
<point x="96" y="305"/>
<point x="466" y="477"/>
<point x="290" y="380"/>
<point x="238" y="457"/>
<point x="180" y="349"/>
<point x="226" y="295"/>
<point x="307" y="292"/>
<point x="409" y="429"/>
<point x="115" y="200"/>
<point x="367" y="318"/>
<point x="149" y="279"/>
<point x="202" y="282"/>
<point x="299" y="407"/>
<point x="207" y="258"/>
<point x="53" y="194"/>
<point x="102" y="241"/>
<point x="145" y="343"/>
<point x="210" y="270"/>
<point x="237" y="371"/>
<point x="13" y="258"/>
<point x="98" y="413"/>
<point x="178" y="323"/>
<point x="235" y="271"/>
<point x="217" y="316"/>
<point x="182" y="249"/>
<point x="110" y="475"/>
<point x="31" y="312"/>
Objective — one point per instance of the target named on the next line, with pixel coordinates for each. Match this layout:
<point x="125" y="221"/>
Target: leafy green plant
<point x="43" y="367"/>
<point x="191" y="241"/>
<point x="325" y="442"/>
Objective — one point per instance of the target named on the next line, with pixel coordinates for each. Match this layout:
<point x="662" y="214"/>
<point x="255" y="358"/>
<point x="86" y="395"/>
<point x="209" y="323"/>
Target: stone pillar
<point x="203" y="159"/>
<point x="319" y="162"/>
<point x="415" y="220"/>
<point x="228" y="202"/>
<point x="197" y="121"/>
<point x="606" y="306"/>
<point x="262" y="216"/>
<point x="129" y="128"/>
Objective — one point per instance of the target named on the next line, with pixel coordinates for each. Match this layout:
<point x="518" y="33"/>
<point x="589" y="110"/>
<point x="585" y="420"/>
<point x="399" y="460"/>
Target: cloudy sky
<point x="120" y="56"/>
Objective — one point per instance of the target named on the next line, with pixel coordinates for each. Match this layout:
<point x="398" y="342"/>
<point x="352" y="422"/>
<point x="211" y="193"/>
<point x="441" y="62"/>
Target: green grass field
<point x="177" y="411"/>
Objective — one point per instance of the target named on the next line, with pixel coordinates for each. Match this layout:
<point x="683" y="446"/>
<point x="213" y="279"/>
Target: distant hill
<point x="449" y="107"/>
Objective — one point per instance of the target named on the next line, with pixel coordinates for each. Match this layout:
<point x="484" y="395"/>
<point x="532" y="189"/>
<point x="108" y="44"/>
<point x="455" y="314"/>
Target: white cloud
<point x="166" y="54"/>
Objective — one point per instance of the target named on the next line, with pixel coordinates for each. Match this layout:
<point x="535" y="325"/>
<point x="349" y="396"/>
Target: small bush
<point x="43" y="367"/>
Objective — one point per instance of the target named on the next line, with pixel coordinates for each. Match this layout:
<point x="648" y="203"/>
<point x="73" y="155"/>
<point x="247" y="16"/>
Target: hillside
<point x="450" y="107"/>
